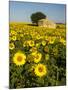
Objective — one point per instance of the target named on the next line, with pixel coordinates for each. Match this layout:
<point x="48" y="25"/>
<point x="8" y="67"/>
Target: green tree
<point x="35" y="17"/>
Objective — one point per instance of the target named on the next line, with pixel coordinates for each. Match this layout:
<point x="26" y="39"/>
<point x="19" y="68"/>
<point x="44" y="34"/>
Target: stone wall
<point x="46" y="23"/>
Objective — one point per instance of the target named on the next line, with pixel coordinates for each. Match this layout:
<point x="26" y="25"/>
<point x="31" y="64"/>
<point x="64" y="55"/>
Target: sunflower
<point x="13" y="38"/>
<point x="38" y="36"/>
<point x="37" y="57"/>
<point x="52" y="40"/>
<point x="19" y="58"/>
<point x="63" y="41"/>
<point x="43" y="43"/>
<point x="40" y="70"/>
<point x="25" y="44"/>
<point x="55" y="51"/>
<point x="33" y="50"/>
<point x="46" y="49"/>
<point x="37" y="45"/>
<point x="11" y="46"/>
<point x="31" y="43"/>
<point x="12" y="32"/>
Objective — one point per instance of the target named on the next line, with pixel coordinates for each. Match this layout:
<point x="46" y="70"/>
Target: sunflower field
<point x="37" y="56"/>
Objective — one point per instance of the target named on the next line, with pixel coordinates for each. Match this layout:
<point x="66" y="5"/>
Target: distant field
<point x="60" y="28"/>
<point x="41" y="48"/>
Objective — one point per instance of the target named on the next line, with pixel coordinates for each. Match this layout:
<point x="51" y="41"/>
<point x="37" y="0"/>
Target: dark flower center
<point x="40" y="69"/>
<point x="19" y="58"/>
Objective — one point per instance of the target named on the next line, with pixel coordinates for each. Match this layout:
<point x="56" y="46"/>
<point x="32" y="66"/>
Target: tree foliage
<point x="37" y="16"/>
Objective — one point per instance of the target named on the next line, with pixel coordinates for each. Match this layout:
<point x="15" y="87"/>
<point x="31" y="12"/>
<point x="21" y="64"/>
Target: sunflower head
<point x="37" y="57"/>
<point x="19" y="58"/>
<point x="12" y="32"/>
<point x="31" y="43"/>
<point x="33" y="50"/>
<point x="40" y="70"/>
<point x="52" y="40"/>
<point x="46" y="49"/>
<point x="13" y="38"/>
<point x="11" y="46"/>
<point x="25" y="44"/>
<point x="55" y="51"/>
<point x="43" y="43"/>
<point x="63" y="41"/>
<point x="37" y="45"/>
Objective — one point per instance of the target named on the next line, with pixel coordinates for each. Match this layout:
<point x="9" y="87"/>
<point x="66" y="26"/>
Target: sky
<point x="21" y="11"/>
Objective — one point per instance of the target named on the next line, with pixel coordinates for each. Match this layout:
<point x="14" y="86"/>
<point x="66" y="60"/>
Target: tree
<point x="35" y="17"/>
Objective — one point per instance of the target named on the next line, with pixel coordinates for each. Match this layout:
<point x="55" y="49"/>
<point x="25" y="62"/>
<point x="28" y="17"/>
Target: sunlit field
<point x="37" y="56"/>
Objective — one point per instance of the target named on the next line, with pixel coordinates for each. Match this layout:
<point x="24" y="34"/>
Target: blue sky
<point x="21" y="11"/>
